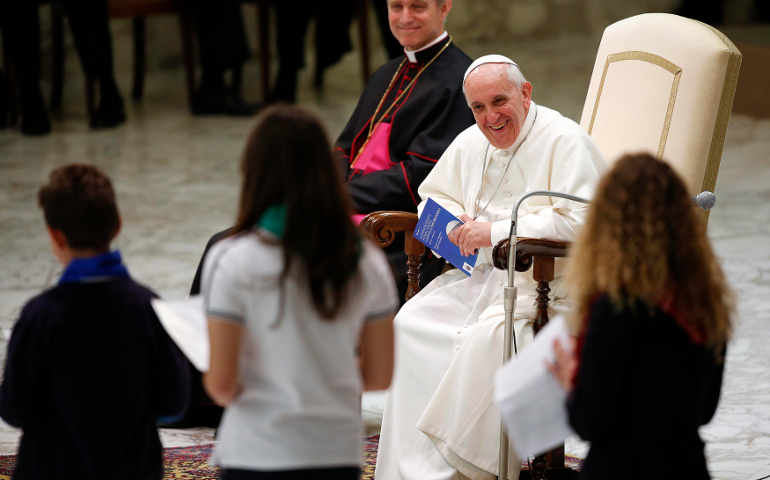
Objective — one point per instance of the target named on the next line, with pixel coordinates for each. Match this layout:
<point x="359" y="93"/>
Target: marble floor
<point x="176" y="180"/>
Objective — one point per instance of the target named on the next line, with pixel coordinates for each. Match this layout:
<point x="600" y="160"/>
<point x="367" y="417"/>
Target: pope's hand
<point x="471" y="235"/>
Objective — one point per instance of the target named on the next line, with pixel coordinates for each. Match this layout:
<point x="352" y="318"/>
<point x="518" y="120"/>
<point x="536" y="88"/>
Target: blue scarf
<point x="94" y="269"/>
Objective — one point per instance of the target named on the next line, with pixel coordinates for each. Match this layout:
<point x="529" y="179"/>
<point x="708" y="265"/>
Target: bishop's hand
<point x="471" y="235"/>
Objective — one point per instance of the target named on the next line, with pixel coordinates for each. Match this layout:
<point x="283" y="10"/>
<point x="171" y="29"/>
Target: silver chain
<point x="502" y="177"/>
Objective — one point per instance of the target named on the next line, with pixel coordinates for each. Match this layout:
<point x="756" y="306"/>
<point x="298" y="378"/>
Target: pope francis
<point x="439" y="420"/>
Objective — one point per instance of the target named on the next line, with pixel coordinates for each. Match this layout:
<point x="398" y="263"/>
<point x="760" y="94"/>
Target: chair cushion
<point x="664" y="84"/>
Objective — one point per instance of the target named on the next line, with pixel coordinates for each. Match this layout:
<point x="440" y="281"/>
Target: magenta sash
<point x="375" y="157"/>
<point x="376" y="154"/>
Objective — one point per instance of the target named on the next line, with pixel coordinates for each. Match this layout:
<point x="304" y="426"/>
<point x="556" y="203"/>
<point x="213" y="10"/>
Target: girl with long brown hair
<point x="652" y="319"/>
<point x="299" y="311"/>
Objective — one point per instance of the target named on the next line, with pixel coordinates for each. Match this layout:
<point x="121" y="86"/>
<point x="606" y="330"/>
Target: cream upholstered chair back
<point x="664" y="84"/>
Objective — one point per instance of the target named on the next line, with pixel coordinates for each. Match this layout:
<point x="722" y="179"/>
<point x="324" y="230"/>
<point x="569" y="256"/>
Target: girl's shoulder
<point x="246" y="252"/>
<point x="374" y="277"/>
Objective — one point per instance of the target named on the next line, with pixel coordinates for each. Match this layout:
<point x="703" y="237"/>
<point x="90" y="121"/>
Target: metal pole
<point x="509" y="298"/>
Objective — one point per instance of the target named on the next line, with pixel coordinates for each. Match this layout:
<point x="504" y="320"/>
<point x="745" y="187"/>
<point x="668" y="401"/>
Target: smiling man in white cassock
<point x="440" y="421"/>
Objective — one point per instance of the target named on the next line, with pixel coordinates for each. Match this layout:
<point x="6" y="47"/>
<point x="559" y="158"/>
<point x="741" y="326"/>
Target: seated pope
<point x="439" y="420"/>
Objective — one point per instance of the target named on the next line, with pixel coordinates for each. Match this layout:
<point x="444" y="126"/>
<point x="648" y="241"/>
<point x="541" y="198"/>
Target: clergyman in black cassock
<point x="425" y="115"/>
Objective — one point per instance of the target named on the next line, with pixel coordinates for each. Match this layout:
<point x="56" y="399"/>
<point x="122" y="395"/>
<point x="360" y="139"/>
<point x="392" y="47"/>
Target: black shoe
<point x="34" y="116"/>
<point x="236" y="106"/>
<point x="110" y="112"/>
<point x="285" y="88"/>
<point x="221" y="101"/>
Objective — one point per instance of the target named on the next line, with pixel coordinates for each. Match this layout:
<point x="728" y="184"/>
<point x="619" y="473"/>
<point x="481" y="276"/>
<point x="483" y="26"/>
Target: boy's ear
<point x="59" y="245"/>
<point x="117" y="229"/>
<point x="58" y="239"/>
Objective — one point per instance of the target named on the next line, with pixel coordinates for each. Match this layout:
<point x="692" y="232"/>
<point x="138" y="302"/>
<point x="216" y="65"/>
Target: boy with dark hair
<point x="89" y="368"/>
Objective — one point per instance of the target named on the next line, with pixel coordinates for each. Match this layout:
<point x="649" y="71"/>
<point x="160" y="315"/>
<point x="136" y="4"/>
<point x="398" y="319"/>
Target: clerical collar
<point x="98" y="268"/>
<point x="412" y="55"/>
<point x="529" y="122"/>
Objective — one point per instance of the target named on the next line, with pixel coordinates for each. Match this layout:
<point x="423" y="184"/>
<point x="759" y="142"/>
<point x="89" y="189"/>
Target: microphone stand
<point x="704" y="200"/>
<point x="509" y="299"/>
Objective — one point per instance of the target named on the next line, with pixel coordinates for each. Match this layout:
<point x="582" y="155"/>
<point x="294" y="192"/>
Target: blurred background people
<point x="223" y="48"/>
<point x="89" y="22"/>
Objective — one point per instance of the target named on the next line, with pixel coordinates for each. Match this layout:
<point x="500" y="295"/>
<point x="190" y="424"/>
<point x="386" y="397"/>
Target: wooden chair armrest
<point x="381" y="227"/>
<point x="539" y="254"/>
<point x="526" y="249"/>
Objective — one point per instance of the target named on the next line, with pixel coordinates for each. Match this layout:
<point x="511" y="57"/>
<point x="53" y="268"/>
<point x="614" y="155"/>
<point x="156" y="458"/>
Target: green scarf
<point x="274" y="220"/>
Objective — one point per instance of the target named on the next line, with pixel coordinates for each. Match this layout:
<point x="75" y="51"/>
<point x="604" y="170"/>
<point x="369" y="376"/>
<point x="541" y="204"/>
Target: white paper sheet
<point x="185" y="323"/>
<point x="531" y="401"/>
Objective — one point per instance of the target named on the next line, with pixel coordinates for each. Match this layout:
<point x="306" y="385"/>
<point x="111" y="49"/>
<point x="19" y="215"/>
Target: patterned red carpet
<point x="191" y="463"/>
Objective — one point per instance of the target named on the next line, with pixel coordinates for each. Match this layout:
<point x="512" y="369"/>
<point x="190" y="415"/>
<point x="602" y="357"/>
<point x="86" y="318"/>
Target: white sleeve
<point x="576" y="167"/>
<point x="381" y="293"/>
<point x="444" y="182"/>
<point x="222" y="296"/>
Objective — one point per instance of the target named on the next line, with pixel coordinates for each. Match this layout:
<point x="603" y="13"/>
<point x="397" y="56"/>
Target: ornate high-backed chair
<point x="661" y="83"/>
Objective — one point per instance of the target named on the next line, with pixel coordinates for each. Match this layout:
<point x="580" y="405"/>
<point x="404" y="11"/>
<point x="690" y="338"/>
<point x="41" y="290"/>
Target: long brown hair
<point x="288" y="161"/>
<point x="644" y="240"/>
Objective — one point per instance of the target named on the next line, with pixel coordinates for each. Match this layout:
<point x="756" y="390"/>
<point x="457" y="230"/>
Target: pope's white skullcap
<point x="488" y="59"/>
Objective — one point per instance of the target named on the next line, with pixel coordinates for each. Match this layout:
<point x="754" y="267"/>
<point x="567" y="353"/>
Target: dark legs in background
<point x="332" y="40"/>
<point x="393" y="49"/>
<point x="90" y="25"/>
<point x="292" y="21"/>
<point x="223" y="47"/>
<point x="332" y="36"/>
<point x="21" y="42"/>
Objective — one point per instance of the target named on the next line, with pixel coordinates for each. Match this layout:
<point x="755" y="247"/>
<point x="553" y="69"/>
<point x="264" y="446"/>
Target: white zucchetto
<point x="488" y="59"/>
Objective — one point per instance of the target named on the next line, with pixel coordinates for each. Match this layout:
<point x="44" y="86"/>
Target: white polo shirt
<point x="300" y="405"/>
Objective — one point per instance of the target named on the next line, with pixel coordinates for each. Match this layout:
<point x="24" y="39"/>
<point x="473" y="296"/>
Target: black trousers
<point x="331" y="32"/>
<point x="221" y="34"/>
<point x="89" y="23"/>
<point x="334" y="473"/>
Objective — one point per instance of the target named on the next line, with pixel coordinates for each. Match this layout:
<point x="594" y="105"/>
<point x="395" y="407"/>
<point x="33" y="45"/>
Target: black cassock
<point x="423" y="123"/>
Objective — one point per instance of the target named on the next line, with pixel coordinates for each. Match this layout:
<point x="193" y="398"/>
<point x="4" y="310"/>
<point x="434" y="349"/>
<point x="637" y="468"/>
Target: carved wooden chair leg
<point x="543" y="273"/>
<point x="414" y="253"/>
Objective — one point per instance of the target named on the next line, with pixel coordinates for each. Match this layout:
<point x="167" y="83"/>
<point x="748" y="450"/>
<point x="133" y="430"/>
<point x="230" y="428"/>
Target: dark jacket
<point x="424" y="122"/>
<point x="643" y="389"/>
<point x="89" y="371"/>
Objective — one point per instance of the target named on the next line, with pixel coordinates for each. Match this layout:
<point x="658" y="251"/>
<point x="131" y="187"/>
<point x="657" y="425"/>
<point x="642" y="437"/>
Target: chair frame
<point x="383" y="227"/>
<point x="538" y="254"/>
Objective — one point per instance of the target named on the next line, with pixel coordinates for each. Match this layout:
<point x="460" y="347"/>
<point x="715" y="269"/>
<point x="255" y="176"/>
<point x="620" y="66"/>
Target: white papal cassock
<point x="439" y="415"/>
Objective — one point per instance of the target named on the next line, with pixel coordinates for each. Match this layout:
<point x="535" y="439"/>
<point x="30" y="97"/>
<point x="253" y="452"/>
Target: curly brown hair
<point x="644" y="240"/>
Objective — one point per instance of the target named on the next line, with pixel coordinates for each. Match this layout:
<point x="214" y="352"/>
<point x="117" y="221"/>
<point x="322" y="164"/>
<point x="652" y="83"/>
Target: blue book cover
<point x="433" y="229"/>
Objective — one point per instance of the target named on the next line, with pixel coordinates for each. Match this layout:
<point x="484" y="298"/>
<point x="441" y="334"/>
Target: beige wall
<point x="485" y="20"/>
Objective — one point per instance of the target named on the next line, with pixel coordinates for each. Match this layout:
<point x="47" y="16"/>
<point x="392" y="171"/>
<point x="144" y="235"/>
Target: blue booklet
<point x="433" y="229"/>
